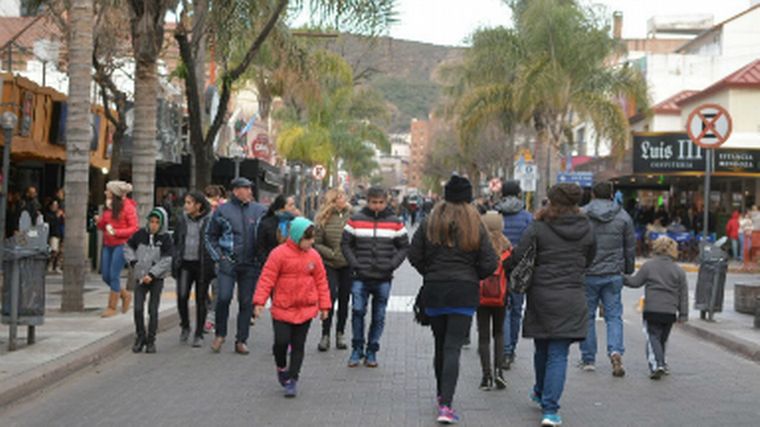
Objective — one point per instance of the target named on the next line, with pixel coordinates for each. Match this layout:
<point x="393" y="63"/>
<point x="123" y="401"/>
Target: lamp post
<point x="8" y="123"/>
<point x="236" y="151"/>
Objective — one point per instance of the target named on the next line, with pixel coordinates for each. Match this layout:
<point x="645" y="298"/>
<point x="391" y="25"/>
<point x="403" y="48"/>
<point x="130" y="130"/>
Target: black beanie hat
<point x="510" y="188"/>
<point x="458" y="190"/>
<point x="565" y="194"/>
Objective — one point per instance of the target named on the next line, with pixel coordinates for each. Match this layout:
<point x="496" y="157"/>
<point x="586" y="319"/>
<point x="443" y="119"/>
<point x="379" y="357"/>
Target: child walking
<point x="295" y="278"/>
<point x="149" y="253"/>
<point x="666" y="298"/>
<point x="492" y="309"/>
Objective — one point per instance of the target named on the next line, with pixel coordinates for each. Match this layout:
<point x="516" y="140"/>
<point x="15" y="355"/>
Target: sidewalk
<point x="68" y="342"/>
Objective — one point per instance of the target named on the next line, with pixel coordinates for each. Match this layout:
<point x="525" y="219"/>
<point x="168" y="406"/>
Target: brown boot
<point x="113" y="300"/>
<point x="617" y="365"/>
<point x="216" y="346"/>
<point x="126" y="299"/>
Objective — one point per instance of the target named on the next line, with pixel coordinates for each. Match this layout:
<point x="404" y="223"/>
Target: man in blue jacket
<point x="231" y="242"/>
<point x="516" y="220"/>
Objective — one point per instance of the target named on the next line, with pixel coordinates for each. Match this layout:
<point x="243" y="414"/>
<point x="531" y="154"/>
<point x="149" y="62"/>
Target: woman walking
<point x="452" y="251"/>
<point x="273" y="229"/>
<point x="118" y="224"/>
<point x="331" y="219"/>
<point x="556" y="314"/>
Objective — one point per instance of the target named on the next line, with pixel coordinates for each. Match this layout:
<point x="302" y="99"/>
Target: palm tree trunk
<point x="144" y="159"/>
<point x="78" y="133"/>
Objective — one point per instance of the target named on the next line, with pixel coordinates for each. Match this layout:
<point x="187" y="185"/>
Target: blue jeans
<point x="741" y="247"/>
<point x="512" y="322"/>
<point x="246" y="278"/>
<point x="550" y="364"/>
<point x="607" y="290"/>
<point x="111" y="263"/>
<point x="360" y="293"/>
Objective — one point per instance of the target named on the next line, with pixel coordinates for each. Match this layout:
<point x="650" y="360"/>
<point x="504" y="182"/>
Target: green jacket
<point x="328" y="239"/>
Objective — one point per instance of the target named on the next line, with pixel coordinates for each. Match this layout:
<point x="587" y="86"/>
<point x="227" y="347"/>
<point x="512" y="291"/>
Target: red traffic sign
<point x="319" y="172"/>
<point x="494" y="185"/>
<point x="709" y="125"/>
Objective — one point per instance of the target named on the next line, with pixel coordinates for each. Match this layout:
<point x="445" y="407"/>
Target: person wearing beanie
<point x="666" y="300"/>
<point x="118" y="224"/>
<point x="516" y="220"/>
<point x="295" y="279"/>
<point x="149" y="253"/>
<point x="453" y="253"/>
<point x="556" y="314"/>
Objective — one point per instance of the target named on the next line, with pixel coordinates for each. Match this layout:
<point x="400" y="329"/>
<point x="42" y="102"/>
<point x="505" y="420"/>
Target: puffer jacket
<point x="374" y="244"/>
<point x="231" y="235"/>
<point x="150" y="254"/>
<point x="273" y="230"/>
<point x="666" y="289"/>
<point x="297" y="283"/>
<point x="556" y="307"/>
<point x="451" y="276"/>
<point x="516" y="218"/>
<point x="124" y="226"/>
<point x="615" y="239"/>
<point x="328" y="239"/>
<point x="205" y="261"/>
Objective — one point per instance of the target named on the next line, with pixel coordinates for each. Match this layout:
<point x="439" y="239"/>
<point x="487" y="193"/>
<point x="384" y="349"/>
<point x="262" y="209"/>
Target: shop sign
<point x="675" y="152"/>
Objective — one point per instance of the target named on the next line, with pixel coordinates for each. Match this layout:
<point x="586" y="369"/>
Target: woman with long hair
<point x="118" y="224"/>
<point x="330" y="221"/>
<point x="452" y="251"/>
<point x="556" y="314"/>
<point x="273" y="229"/>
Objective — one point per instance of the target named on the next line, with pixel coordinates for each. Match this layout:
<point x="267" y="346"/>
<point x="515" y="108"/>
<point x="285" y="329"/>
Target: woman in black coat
<point x="556" y="313"/>
<point x="452" y="251"/>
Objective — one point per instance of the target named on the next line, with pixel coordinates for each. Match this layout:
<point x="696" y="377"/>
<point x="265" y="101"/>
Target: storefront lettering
<point x="674" y="152"/>
<point x="656" y="152"/>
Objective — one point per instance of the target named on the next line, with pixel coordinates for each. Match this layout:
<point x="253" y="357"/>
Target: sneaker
<point x="666" y="369"/>
<point x="208" y="326"/>
<point x="535" y="398"/>
<point x="324" y="343"/>
<point x="340" y="342"/>
<point x="355" y="359"/>
<point x="282" y="376"/>
<point x="507" y="362"/>
<point x="499" y="380"/>
<point x="371" y="360"/>
<point x="447" y="415"/>
<point x="290" y="388"/>
<point x="617" y="365"/>
<point x="150" y="347"/>
<point x="657" y="373"/>
<point x="486" y="383"/>
<point x="587" y="366"/>
<point x="198" y="341"/>
<point x="184" y="335"/>
<point x="551" y="420"/>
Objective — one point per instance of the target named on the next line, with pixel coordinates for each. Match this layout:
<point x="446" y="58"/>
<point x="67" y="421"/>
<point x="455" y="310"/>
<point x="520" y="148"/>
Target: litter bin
<point x="711" y="281"/>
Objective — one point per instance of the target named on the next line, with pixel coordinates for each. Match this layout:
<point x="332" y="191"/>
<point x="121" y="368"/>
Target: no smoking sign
<point x="709" y="126"/>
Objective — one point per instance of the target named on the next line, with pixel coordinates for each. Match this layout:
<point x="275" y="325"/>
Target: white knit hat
<point x="119" y="188"/>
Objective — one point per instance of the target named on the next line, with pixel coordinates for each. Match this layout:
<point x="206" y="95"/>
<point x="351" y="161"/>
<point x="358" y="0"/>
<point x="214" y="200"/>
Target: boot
<point x="113" y="300"/>
<point x="340" y="341"/>
<point x="150" y="347"/>
<point x="617" y="365"/>
<point x="324" y="343"/>
<point x="139" y="344"/>
<point x="126" y="299"/>
<point x="499" y="380"/>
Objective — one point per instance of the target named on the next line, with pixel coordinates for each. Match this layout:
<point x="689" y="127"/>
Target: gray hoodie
<point x="665" y="285"/>
<point x="615" y="239"/>
<point x="150" y="254"/>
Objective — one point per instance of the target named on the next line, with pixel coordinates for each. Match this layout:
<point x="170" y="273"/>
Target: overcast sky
<point x="449" y="22"/>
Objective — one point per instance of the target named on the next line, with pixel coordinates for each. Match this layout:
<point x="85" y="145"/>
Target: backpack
<point x="493" y="289"/>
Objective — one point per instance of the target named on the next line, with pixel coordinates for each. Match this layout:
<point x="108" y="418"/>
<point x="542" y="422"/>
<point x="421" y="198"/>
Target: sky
<point x="450" y="22"/>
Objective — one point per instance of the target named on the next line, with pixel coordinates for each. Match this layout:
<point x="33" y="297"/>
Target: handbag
<point x="419" y="309"/>
<point x="522" y="274"/>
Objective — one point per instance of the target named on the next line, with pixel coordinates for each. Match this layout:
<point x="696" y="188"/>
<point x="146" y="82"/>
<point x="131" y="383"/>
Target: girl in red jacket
<point x="732" y="231"/>
<point x="295" y="279"/>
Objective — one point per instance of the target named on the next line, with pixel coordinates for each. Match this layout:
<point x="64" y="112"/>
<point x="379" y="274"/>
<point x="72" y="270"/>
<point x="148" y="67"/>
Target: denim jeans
<point x="735" y="249"/>
<point x="550" y="364"/>
<point x="111" y="263"/>
<point x="246" y="278"/>
<point x="741" y="247"/>
<point x="512" y="322"/>
<point x="360" y="293"/>
<point x="607" y="290"/>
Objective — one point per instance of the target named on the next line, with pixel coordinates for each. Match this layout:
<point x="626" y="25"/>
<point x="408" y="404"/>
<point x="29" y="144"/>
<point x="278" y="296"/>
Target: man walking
<point x="615" y="256"/>
<point x="231" y="242"/>
<point x="516" y="220"/>
<point x="374" y="243"/>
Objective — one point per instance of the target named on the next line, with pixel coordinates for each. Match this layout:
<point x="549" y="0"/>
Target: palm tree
<point x="78" y="133"/>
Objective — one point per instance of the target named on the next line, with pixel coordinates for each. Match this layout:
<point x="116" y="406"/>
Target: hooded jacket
<point x="556" y="307"/>
<point x="329" y="236"/>
<point x="231" y="235"/>
<point x="273" y="230"/>
<point x="666" y="289"/>
<point x="516" y="218"/>
<point x="150" y="254"/>
<point x="732" y="227"/>
<point x="374" y="244"/>
<point x="179" y="238"/>
<point x="124" y="226"/>
<point x="295" y="279"/>
<point x="615" y="239"/>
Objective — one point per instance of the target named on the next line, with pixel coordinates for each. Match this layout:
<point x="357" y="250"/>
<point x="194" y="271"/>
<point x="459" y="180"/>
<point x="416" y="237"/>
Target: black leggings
<point x="450" y="332"/>
<point x="289" y="334"/>
<point x="141" y="292"/>
<point x="488" y="316"/>
<point x="340" y="289"/>
<point x="190" y="273"/>
<point x="657" y="339"/>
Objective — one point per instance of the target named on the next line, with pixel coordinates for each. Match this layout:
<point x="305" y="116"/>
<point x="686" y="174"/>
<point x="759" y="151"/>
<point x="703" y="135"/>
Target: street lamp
<point x="236" y="151"/>
<point x="8" y="122"/>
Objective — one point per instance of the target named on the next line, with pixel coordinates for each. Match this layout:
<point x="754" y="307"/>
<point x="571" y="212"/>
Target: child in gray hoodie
<point x="149" y="254"/>
<point x="666" y="300"/>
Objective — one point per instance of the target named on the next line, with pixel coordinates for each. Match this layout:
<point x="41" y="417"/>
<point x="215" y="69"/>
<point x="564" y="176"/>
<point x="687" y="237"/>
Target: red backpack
<point x="493" y="289"/>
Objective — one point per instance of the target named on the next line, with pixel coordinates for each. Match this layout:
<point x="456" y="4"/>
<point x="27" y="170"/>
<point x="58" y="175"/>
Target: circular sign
<point x="494" y="185"/>
<point x="709" y="126"/>
<point x="319" y="172"/>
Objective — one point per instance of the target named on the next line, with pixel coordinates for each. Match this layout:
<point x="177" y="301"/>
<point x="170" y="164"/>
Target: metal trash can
<point x="711" y="281"/>
<point x="27" y="266"/>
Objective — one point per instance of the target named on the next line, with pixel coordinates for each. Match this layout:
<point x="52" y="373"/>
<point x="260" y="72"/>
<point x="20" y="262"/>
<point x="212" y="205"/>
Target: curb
<point x="742" y="347"/>
<point x="57" y="370"/>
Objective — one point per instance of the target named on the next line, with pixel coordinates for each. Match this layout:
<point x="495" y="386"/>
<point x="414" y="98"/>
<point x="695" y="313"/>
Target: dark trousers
<point x="657" y="337"/>
<point x="246" y="278"/>
<point x="340" y="289"/>
<point x="289" y="334"/>
<point x="141" y="292"/>
<point x="488" y="316"/>
<point x="450" y="332"/>
<point x="189" y="274"/>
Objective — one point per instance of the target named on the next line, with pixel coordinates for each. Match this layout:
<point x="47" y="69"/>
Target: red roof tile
<point x="27" y="30"/>
<point x="670" y="105"/>
<point x="746" y="77"/>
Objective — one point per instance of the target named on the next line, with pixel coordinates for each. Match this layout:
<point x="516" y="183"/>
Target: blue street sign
<point x="584" y="179"/>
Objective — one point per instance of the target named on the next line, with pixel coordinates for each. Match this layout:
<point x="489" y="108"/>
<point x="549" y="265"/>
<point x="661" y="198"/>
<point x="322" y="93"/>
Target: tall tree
<point x="78" y="134"/>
